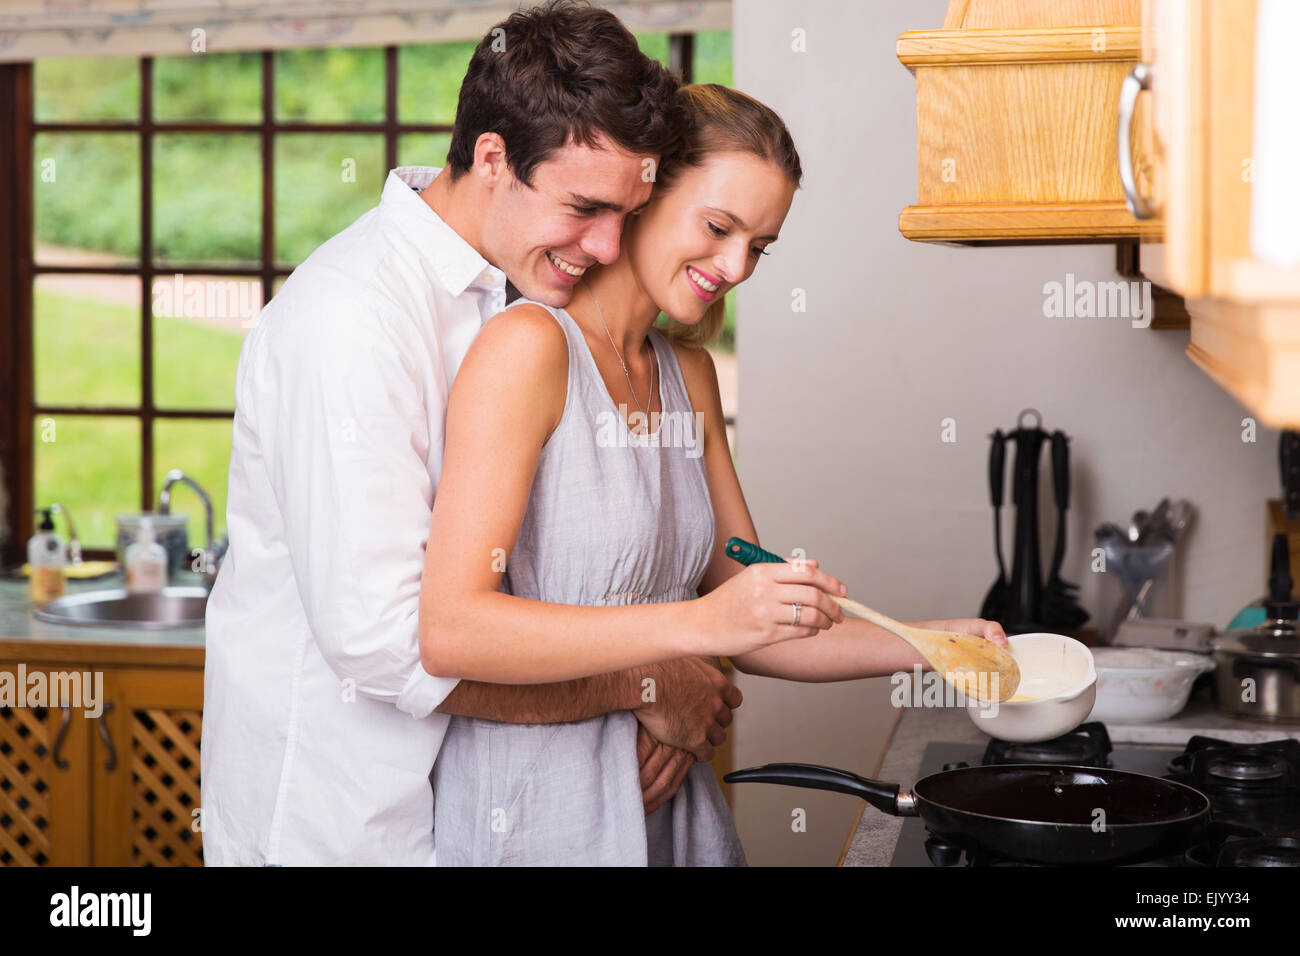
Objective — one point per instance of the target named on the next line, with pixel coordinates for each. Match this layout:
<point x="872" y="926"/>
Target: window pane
<point x="207" y="87"/>
<point x="201" y="449"/>
<point x="76" y="173"/>
<point x="423" y="149"/>
<point x="199" y="324"/>
<point x="330" y="85"/>
<point x="91" y="466"/>
<point x="207" y="194"/>
<point x="428" y="81"/>
<point x="86" y="340"/>
<point x="323" y="181"/>
<point x="712" y="57"/>
<point x="67" y="89"/>
<point x="654" y="45"/>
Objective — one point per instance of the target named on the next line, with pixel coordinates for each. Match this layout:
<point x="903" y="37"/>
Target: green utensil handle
<point x="746" y="552"/>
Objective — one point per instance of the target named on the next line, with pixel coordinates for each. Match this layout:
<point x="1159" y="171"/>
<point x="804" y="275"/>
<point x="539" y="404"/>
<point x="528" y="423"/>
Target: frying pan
<point x="1032" y="813"/>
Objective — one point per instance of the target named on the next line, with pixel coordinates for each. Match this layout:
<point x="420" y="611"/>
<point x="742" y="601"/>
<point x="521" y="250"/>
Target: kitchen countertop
<point x="874" y="835"/>
<point x="18" y="625"/>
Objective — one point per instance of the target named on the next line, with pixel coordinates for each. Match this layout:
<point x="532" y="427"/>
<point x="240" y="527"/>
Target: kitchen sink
<point x="170" y="607"/>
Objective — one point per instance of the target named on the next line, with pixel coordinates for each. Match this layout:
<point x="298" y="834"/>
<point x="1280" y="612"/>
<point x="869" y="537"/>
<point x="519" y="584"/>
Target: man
<point x="310" y="753"/>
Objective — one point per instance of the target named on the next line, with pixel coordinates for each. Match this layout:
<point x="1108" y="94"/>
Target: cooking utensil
<point x="1026" y="585"/>
<point x="1058" y="686"/>
<point x="995" y="602"/>
<point x="1058" y="601"/>
<point x="1026" y="605"/>
<point x="1030" y="813"/>
<point x="1135" y="568"/>
<point x="1258" y="668"/>
<point x="971" y="664"/>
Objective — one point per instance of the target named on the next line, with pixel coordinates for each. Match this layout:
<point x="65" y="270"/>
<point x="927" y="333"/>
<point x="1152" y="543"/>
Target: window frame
<point x="19" y="271"/>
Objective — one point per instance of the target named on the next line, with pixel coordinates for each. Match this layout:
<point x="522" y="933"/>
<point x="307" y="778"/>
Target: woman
<point x="611" y="531"/>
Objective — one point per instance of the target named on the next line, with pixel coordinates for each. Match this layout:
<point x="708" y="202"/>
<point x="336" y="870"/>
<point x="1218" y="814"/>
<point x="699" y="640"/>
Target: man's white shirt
<point x="319" y="731"/>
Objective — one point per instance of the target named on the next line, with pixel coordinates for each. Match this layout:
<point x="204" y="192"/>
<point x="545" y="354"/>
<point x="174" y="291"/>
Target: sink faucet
<point x="214" y="550"/>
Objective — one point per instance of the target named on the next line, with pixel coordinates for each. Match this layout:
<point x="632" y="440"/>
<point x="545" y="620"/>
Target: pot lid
<point x="1279" y="637"/>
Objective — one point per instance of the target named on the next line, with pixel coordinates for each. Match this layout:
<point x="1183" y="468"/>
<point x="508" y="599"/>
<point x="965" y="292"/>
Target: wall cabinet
<point x="1223" y="88"/>
<point x="1169" y="122"/>
<point x="1016" y="122"/>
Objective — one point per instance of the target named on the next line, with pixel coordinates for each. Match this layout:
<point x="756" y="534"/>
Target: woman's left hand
<point x="989" y="630"/>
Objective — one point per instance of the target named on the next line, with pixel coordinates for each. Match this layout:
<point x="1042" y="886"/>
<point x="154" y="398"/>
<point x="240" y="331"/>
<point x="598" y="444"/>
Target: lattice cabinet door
<point x="146" y="769"/>
<point x="44" y="771"/>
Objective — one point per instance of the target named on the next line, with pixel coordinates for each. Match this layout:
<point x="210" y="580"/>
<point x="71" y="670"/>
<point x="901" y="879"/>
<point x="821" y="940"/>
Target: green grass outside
<point x="86" y="352"/>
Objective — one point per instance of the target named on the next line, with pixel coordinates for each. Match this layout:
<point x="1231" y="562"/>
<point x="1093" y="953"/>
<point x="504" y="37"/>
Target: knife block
<point x="1278" y="522"/>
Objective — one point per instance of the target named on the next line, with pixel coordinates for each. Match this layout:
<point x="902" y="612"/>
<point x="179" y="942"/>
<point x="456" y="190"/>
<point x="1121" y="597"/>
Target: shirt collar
<point x="457" y="264"/>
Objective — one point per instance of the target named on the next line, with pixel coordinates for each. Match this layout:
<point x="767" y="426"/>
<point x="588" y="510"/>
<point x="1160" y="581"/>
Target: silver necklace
<point x="653" y="368"/>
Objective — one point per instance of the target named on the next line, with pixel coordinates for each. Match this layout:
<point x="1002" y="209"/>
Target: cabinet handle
<point x="64" y="724"/>
<point x="1139" y="79"/>
<point x="111" y="763"/>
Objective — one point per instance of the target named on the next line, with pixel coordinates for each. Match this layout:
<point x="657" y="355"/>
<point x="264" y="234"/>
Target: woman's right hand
<point x="755" y="608"/>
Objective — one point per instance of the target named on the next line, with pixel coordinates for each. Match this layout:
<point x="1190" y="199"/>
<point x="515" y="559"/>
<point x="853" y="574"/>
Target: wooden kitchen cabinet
<point x="120" y="789"/>
<point x="1017" y="133"/>
<point x="1221" y="203"/>
<point x="146" y="769"/>
<point x="44" y="781"/>
<point x="1018" y="141"/>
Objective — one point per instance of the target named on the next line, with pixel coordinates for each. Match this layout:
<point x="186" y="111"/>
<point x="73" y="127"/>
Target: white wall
<point x="840" y="407"/>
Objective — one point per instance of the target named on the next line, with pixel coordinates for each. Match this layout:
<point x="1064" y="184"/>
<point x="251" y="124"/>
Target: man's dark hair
<point x="563" y="72"/>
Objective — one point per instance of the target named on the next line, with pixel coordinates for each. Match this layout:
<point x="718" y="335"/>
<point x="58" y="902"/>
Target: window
<point x="168" y="199"/>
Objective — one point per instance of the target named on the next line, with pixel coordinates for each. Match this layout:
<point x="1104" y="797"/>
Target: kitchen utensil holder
<point x="1138" y="582"/>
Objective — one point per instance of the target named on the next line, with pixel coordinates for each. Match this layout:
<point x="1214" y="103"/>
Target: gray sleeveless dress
<point x="613" y="519"/>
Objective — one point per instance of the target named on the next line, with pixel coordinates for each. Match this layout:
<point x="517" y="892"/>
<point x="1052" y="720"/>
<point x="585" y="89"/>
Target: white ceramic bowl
<point x="1140" y="684"/>
<point x="1055" y="666"/>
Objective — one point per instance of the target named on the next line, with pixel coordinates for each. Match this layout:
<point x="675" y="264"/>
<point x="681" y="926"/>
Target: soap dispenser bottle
<point x="146" y="562"/>
<point x="47" y="559"/>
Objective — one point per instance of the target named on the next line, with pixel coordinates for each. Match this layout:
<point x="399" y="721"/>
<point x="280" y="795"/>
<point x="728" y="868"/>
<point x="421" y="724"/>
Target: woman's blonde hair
<point x="724" y="120"/>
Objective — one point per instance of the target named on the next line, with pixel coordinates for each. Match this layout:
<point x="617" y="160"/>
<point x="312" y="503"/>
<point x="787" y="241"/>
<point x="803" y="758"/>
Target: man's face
<point x="545" y="236"/>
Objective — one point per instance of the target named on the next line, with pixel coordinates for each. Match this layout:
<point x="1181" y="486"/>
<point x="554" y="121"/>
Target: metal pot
<point x="1258" y="671"/>
<point x="1258" y="668"/>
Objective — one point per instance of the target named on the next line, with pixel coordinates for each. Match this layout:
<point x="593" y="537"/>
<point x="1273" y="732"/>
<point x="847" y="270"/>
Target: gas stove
<point x="1254" y="793"/>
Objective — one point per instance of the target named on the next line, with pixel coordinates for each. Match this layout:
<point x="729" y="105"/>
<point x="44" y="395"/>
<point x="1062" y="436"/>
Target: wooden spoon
<point x="971" y="664"/>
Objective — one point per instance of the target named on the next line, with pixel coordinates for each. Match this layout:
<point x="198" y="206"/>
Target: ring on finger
<point x="798" y="610"/>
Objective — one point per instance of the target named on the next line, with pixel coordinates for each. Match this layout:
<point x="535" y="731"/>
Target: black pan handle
<point x="882" y="796"/>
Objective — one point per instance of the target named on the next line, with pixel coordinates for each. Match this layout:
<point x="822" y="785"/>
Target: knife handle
<point x="747" y="553"/>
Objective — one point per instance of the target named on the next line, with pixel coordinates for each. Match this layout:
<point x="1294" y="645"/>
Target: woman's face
<point x="706" y="233"/>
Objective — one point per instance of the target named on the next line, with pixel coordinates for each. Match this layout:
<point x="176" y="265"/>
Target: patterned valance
<point x="33" y="29"/>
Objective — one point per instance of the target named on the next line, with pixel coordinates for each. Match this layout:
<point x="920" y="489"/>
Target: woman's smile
<point x="703" y="284"/>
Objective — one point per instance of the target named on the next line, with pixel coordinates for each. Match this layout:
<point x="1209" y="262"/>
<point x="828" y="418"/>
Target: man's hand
<point x="663" y="768"/>
<point x="691" y="705"/>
